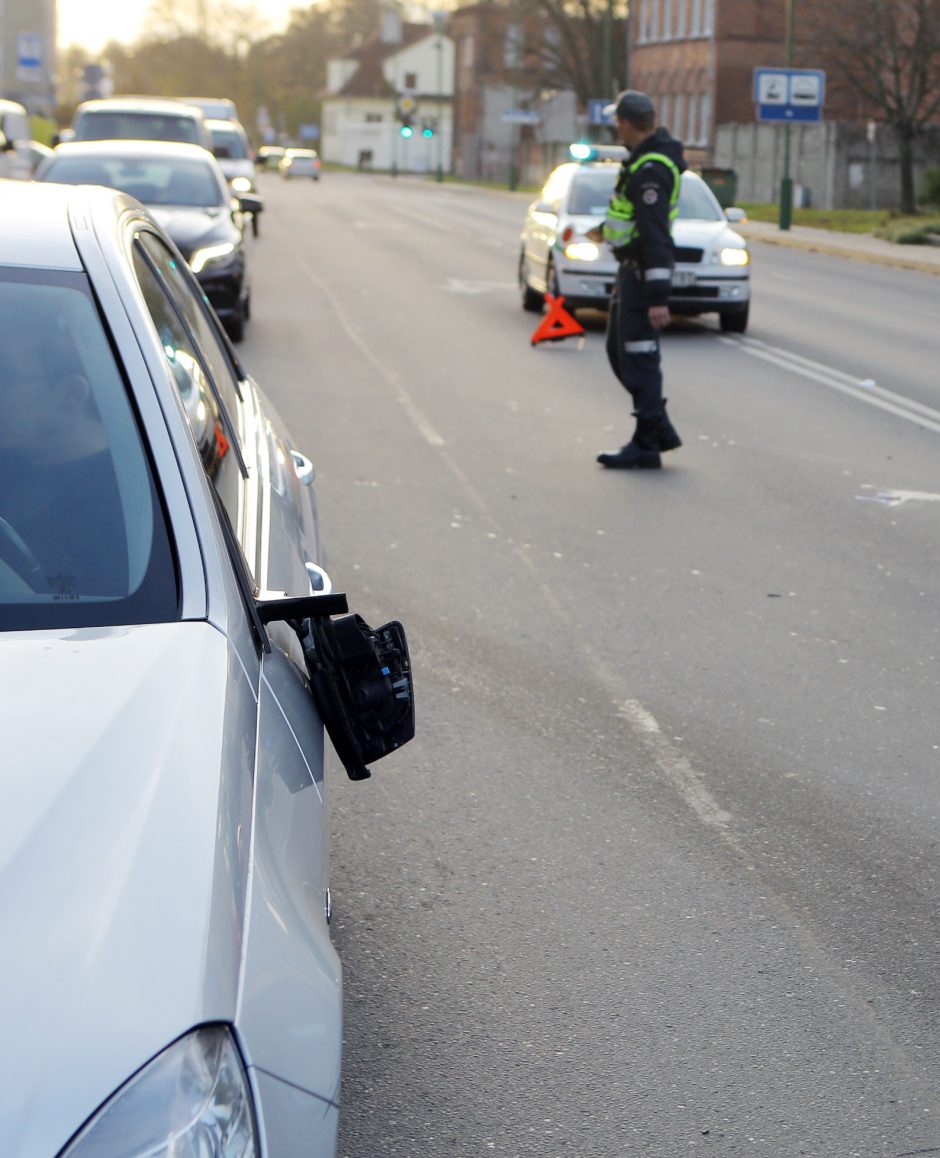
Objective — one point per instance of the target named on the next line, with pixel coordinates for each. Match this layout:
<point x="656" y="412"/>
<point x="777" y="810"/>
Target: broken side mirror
<point x="360" y="676"/>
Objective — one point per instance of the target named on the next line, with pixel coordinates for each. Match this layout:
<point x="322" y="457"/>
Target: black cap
<point x="631" y="105"/>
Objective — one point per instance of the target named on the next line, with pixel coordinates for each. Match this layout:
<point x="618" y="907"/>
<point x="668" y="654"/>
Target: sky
<point x="92" y="23"/>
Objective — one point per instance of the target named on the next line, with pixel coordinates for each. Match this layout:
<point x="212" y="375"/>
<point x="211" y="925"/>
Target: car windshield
<point x="83" y="540"/>
<point x="153" y="181"/>
<point x="591" y="190"/>
<point x="227" y="143"/>
<point x="113" y="125"/>
<point x="697" y="203"/>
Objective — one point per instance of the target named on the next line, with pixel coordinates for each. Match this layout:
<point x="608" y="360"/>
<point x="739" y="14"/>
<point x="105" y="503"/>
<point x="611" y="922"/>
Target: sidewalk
<point x="861" y="246"/>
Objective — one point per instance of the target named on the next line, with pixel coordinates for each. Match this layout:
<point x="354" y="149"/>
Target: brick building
<point x="696" y="58"/>
<point x="494" y="49"/>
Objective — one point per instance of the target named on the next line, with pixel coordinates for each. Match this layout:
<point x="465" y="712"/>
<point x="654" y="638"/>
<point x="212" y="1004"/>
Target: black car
<point x="186" y="191"/>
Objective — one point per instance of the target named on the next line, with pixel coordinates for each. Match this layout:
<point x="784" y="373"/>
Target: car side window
<point x="209" y="421"/>
<point x="182" y="282"/>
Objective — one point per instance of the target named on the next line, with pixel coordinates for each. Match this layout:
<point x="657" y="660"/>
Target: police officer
<point x="638" y="230"/>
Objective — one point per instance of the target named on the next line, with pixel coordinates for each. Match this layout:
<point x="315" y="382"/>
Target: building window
<point x="708" y="18"/>
<point x="643" y="31"/>
<point x="705" y="117"/>
<point x="512" y="56"/>
<point x="466" y="51"/>
<point x="667" y="19"/>
<point x="680" y="18"/>
<point x="665" y="107"/>
<point x="677" y="110"/>
<point x="410" y="83"/>
<point x="654" y="20"/>
<point x="373" y="118"/>
<point x="696" y="23"/>
<point x="690" y="133"/>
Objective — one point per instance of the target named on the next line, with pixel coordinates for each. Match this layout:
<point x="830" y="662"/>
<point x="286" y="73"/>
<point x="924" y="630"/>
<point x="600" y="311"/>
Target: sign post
<point x="787" y="96"/>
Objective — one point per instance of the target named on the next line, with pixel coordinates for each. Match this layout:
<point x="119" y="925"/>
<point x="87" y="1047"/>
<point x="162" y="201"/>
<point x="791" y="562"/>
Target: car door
<point x="542" y="226"/>
<point x="241" y="449"/>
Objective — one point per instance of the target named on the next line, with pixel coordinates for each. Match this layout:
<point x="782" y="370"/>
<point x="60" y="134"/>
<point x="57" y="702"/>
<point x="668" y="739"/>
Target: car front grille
<point x="696" y="291"/>
<point x="688" y="254"/>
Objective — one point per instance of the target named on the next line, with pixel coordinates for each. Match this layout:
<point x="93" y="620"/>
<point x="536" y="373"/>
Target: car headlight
<point x="211" y="254"/>
<point x="582" y="251"/>
<point x="735" y="256"/>
<point x="191" y="1100"/>
<point x="242" y="184"/>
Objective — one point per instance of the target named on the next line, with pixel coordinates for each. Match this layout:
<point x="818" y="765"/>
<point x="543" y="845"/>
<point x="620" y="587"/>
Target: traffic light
<point x="428" y="129"/>
<point x="407" y="108"/>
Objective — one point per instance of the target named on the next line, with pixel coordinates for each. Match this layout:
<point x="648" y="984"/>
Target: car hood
<point x="688" y="232"/>
<point x="193" y="228"/>
<point x="237" y="167"/>
<point x="115" y="868"/>
<point x="706" y="235"/>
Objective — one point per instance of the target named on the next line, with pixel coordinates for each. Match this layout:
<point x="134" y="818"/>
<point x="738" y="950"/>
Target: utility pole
<point x="607" y="30"/>
<point x="786" y="184"/>
<point x="439" y="18"/>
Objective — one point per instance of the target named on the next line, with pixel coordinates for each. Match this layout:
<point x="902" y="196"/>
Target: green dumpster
<point x="723" y="183"/>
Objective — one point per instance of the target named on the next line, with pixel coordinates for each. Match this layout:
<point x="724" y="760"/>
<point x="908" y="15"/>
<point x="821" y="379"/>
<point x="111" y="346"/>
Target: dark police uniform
<point x="638" y="229"/>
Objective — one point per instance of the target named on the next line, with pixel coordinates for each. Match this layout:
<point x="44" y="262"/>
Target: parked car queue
<point x="174" y="657"/>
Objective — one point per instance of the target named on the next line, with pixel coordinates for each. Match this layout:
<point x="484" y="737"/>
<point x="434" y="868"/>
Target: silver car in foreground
<point x="170" y="651"/>
<point x="712" y="272"/>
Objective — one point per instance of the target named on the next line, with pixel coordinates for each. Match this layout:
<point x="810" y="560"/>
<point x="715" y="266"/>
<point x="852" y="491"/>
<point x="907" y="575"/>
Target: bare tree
<point x="887" y="52"/>
<point x="582" y="46"/>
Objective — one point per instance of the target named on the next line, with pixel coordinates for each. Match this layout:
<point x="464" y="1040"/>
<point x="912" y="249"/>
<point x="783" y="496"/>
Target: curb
<point x="861" y="252"/>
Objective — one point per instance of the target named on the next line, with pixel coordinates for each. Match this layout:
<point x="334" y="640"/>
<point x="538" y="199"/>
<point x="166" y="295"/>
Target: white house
<point x="407" y="70"/>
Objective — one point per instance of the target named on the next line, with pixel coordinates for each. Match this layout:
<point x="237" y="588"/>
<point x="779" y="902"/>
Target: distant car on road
<point x="213" y="108"/>
<point x="300" y="163"/>
<point x="233" y="152"/>
<point x="712" y="272"/>
<point x="16" y="160"/>
<point x="188" y="194"/>
<point x="139" y="118"/>
<point x="269" y="156"/>
<point x="172" y="658"/>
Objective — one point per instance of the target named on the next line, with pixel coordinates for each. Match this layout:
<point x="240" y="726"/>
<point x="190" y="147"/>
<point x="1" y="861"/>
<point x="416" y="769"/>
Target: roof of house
<point x="368" y="80"/>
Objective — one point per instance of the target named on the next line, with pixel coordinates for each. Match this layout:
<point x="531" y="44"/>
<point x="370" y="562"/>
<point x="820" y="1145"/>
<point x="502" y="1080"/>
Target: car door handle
<point x="303" y="467"/>
<point x="320" y="582"/>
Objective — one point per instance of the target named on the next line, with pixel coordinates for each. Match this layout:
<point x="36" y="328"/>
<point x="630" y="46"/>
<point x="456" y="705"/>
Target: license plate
<point x="682" y="277"/>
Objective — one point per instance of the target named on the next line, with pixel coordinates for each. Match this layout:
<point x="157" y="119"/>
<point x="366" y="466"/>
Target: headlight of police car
<point x="242" y="184"/>
<point x="582" y="251"/>
<point x="211" y="255"/>
<point x="734" y="256"/>
<point x="191" y="1100"/>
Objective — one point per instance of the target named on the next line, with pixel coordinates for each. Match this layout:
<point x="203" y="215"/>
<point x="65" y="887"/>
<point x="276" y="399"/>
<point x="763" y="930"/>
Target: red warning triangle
<point x="557" y="323"/>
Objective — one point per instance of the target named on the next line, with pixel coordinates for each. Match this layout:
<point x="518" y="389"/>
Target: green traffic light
<point x="427" y="132"/>
<point x="407" y="131"/>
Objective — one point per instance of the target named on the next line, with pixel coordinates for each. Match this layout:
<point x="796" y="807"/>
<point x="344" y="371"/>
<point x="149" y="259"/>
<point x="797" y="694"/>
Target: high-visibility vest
<point x="620" y="225"/>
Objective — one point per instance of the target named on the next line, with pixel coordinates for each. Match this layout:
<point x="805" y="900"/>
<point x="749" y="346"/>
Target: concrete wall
<point x="833" y="165"/>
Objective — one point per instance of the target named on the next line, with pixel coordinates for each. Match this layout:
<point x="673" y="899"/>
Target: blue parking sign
<point x="596" y="114"/>
<point x="789" y="94"/>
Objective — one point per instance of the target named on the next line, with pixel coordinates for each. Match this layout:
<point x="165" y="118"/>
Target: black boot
<point x="640" y="453"/>
<point x="633" y="456"/>
<point x="668" y="435"/>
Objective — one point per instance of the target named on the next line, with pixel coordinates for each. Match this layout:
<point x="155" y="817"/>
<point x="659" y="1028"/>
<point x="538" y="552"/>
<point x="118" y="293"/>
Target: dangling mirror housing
<point x="360" y="676"/>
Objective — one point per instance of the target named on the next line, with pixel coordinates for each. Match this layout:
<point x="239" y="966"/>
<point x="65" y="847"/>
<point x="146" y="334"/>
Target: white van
<point x="15" y="157"/>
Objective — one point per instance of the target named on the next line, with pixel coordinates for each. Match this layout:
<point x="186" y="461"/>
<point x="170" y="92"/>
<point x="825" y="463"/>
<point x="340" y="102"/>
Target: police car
<point x="712" y="273"/>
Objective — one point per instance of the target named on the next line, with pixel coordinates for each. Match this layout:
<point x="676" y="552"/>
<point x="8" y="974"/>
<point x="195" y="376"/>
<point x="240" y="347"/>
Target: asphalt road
<point x="659" y="874"/>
